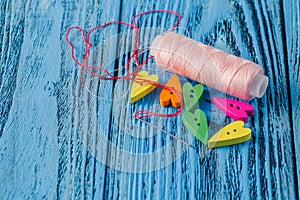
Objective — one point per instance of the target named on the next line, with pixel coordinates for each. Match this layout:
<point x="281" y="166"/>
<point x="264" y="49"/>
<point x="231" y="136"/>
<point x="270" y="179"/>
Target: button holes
<point x="231" y="105"/>
<point x="141" y="84"/>
<point x="192" y="91"/>
<point x="228" y="133"/>
<point x="238" y="107"/>
<point x="234" y="130"/>
<point x="198" y="124"/>
<point x="191" y="96"/>
<point x="171" y="92"/>
<point x="196" y="119"/>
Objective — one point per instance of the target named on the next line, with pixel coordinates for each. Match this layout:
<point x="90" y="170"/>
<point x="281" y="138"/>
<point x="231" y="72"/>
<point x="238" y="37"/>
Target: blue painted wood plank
<point x="81" y="175"/>
<point x="278" y="122"/>
<point x="27" y="132"/>
<point x="57" y="140"/>
<point x="246" y="29"/>
<point x="292" y="29"/>
<point x="42" y="148"/>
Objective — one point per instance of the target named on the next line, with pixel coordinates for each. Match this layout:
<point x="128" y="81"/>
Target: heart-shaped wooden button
<point x="196" y="123"/>
<point x="236" y="110"/>
<point x="192" y="96"/>
<point x="139" y="90"/>
<point x="233" y="133"/>
<point x="167" y="97"/>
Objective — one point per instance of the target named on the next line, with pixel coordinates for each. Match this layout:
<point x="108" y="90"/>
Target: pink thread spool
<point x="210" y="66"/>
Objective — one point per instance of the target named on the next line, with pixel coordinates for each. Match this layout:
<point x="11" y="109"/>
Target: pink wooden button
<point x="236" y="110"/>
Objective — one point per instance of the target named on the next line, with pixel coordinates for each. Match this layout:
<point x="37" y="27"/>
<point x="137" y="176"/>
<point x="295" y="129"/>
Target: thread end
<point x="259" y="86"/>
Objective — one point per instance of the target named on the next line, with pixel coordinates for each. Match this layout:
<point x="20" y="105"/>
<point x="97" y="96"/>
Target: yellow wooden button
<point x="139" y="90"/>
<point x="233" y="133"/>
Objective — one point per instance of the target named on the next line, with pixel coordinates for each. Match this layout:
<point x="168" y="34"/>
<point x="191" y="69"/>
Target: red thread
<point x="135" y="55"/>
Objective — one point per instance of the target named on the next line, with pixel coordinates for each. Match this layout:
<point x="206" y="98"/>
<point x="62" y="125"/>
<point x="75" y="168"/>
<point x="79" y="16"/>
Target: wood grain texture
<point x="57" y="140"/>
<point x="291" y="14"/>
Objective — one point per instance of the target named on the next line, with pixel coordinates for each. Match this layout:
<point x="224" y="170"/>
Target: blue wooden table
<point x="60" y="139"/>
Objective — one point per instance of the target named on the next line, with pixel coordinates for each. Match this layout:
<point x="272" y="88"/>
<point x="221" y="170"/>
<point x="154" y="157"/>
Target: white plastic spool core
<point x="258" y="86"/>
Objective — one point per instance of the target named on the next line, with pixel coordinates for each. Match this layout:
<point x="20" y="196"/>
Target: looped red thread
<point x="135" y="55"/>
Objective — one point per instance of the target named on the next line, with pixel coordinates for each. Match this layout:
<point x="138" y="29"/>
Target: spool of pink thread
<point x="210" y="66"/>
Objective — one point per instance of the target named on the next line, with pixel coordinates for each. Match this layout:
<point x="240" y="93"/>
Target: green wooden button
<point x="196" y="123"/>
<point x="192" y="96"/>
